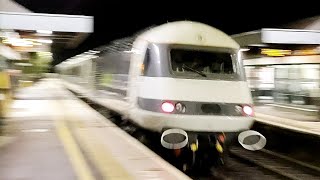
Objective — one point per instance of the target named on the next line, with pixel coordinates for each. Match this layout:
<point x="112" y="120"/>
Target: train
<point x="183" y="80"/>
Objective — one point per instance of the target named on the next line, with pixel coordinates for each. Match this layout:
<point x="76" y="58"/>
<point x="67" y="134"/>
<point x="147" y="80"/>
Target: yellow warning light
<point x="219" y="147"/>
<point x="193" y="147"/>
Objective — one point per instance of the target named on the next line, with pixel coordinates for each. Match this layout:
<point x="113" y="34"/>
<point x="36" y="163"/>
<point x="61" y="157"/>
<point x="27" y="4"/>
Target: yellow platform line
<point x="102" y="158"/>
<point x="77" y="159"/>
<point x="94" y="148"/>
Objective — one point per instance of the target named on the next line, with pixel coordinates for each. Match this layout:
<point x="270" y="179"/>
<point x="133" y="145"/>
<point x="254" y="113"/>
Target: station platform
<point x="56" y="136"/>
<point x="288" y="119"/>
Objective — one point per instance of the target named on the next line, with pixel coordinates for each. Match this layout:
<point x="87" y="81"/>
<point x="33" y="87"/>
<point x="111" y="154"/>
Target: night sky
<point x="115" y="19"/>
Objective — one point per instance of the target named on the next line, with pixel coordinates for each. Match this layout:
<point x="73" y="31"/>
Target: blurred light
<point x="44" y="31"/>
<point x="21" y="44"/>
<point x="258" y="45"/>
<point x="275" y="52"/>
<point x="6" y="41"/>
<point x="23" y="64"/>
<point x="134" y="51"/>
<point x="244" y="49"/>
<point x="47" y="41"/>
<point x="94" y="52"/>
<point x="36" y="44"/>
<point x="167" y="107"/>
<point x="248" y="110"/>
<point x="14" y="71"/>
<point x="45" y="54"/>
<point x="18" y="42"/>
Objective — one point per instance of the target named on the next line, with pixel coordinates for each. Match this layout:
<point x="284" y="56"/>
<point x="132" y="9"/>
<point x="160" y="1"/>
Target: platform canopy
<point x="66" y="30"/>
<point x="278" y="36"/>
<point x="303" y="32"/>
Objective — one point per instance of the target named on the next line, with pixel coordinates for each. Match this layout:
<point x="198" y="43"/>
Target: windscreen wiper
<point x="193" y="70"/>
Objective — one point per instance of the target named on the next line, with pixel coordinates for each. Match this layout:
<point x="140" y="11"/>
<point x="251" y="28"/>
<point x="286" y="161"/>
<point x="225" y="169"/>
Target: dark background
<point x="115" y="19"/>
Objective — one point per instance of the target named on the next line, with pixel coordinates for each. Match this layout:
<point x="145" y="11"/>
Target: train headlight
<point x="167" y="107"/>
<point x="248" y="110"/>
<point x="180" y="108"/>
<point x="245" y="110"/>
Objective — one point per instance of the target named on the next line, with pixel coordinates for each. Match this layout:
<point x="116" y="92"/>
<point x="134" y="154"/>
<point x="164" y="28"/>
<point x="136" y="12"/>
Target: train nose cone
<point x="174" y="139"/>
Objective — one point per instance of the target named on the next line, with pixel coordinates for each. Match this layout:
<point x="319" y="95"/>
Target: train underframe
<point x="203" y="151"/>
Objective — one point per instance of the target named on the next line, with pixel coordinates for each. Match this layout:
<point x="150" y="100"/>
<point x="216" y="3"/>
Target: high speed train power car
<point x="183" y="80"/>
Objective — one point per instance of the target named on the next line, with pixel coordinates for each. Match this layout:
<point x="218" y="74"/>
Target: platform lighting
<point x="47" y="41"/>
<point x="18" y="42"/>
<point x="94" y="52"/>
<point x="258" y="45"/>
<point x="244" y="49"/>
<point x="44" y="32"/>
<point x="23" y="64"/>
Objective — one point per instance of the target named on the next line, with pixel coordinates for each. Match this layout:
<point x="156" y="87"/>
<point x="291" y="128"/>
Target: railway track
<point x="278" y="165"/>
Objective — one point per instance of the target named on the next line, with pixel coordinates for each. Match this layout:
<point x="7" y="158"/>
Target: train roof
<point x="179" y="32"/>
<point x="123" y="44"/>
<point x="189" y="32"/>
<point x="118" y="45"/>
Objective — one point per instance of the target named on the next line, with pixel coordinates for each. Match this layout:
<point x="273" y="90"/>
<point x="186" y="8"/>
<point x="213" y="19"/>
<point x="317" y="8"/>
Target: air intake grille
<point x="211" y="108"/>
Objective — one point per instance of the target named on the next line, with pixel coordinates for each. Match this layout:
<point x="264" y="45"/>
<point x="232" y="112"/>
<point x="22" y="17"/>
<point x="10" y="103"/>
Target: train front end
<point x="192" y="88"/>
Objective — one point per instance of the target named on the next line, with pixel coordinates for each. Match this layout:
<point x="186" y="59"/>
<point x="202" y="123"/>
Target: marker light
<point x="247" y="110"/>
<point x="167" y="107"/>
<point x="180" y="107"/>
